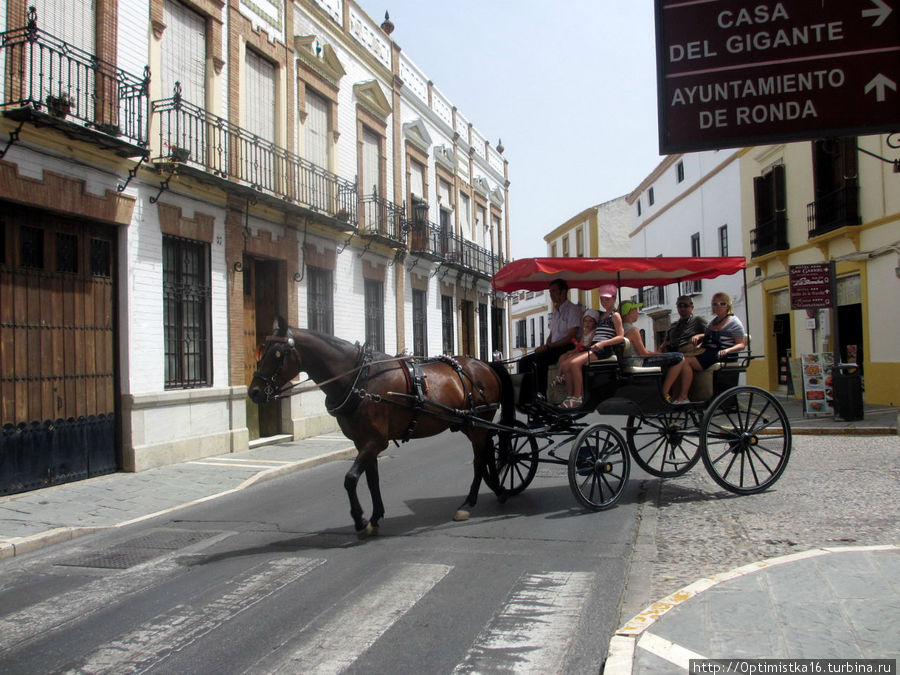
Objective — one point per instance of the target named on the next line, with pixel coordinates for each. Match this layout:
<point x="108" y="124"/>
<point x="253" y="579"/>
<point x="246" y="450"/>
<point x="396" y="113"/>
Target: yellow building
<point x="596" y="232"/>
<point x="813" y="202"/>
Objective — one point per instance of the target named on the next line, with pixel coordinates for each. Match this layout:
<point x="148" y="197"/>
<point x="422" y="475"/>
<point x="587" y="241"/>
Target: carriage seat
<point x="717" y="377"/>
<point x="631" y="359"/>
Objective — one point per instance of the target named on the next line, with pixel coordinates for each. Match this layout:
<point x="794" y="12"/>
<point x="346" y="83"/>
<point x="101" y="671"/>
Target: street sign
<point x="733" y="73"/>
<point x="810" y="286"/>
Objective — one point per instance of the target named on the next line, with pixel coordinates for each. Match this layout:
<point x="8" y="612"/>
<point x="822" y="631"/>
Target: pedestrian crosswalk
<point x="530" y="631"/>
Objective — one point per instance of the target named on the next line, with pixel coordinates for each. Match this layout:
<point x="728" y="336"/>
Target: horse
<point x="377" y="398"/>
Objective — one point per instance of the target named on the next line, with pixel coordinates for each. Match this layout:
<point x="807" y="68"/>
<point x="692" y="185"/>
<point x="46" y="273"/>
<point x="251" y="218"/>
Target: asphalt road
<point x="272" y="579"/>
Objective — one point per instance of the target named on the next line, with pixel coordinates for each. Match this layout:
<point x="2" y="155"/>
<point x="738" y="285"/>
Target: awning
<point x="534" y="274"/>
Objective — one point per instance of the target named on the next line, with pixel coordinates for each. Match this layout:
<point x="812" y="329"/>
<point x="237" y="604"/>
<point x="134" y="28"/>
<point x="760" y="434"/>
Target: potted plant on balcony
<point x="342" y="215"/>
<point x="59" y="106"/>
<point x="178" y="154"/>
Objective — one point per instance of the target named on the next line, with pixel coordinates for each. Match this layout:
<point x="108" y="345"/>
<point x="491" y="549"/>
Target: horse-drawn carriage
<point x="741" y="432"/>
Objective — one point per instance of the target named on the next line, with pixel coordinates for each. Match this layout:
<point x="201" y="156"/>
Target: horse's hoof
<point x="461" y="515"/>
<point x="502" y="496"/>
<point x="365" y="532"/>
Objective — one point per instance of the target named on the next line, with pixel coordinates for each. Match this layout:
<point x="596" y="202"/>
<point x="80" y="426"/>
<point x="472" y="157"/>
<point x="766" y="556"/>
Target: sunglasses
<point x="683" y="304"/>
<point x="720" y="304"/>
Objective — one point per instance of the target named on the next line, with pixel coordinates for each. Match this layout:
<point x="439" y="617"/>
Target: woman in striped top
<point x="608" y="333"/>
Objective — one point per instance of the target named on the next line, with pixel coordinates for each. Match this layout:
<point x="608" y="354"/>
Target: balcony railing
<point x="769" y="236"/>
<point x="835" y="210"/>
<point x="653" y="296"/>
<point x="468" y="255"/>
<point x="45" y="75"/>
<point x="694" y="287"/>
<point x="383" y="218"/>
<point x="195" y="137"/>
<point x="425" y="239"/>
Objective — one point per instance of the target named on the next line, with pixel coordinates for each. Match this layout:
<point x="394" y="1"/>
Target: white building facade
<point x="690" y="205"/>
<point x="202" y="168"/>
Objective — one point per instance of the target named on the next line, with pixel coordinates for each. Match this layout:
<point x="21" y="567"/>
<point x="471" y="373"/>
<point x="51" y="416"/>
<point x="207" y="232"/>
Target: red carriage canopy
<point x="534" y="274"/>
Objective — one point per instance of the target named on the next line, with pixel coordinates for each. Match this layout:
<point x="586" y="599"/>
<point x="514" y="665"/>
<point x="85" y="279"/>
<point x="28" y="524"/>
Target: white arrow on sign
<point x="879" y="83"/>
<point x="882" y="11"/>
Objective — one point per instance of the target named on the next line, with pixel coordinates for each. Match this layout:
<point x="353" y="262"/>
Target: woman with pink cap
<point x="608" y="332"/>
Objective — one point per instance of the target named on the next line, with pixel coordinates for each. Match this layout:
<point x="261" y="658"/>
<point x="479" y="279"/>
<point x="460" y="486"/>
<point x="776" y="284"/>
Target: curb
<point x="10" y="548"/>
<point x="848" y="431"/>
<point x="623" y="644"/>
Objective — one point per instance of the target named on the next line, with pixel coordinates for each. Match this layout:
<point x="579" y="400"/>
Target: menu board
<point x="818" y="395"/>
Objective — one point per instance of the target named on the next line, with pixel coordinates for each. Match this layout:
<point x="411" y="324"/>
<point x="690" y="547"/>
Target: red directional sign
<point x="810" y="285"/>
<point x="734" y="73"/>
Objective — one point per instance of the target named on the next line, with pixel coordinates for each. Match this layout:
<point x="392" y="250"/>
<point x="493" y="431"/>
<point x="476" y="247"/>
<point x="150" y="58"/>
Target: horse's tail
<point x="507" y="395"/>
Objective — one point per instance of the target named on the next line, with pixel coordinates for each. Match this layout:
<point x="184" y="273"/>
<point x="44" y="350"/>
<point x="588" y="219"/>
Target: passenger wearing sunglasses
<point x="678" y="338"/>
<point x="723" y="338"/>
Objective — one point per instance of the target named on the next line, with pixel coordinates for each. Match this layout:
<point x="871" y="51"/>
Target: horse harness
<point x="416" y="386"/>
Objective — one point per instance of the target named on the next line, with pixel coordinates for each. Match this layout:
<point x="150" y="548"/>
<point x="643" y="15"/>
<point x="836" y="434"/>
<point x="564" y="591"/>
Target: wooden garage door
<point x="57" y="349"/>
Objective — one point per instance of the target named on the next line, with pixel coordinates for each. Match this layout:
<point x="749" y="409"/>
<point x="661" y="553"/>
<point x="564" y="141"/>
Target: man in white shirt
<point x="565" y="322"/>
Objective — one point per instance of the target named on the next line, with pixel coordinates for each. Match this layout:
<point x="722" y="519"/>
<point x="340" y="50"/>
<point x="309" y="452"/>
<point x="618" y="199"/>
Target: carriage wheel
<point x="598" y="467"/>
<point x="516" y="457"/>
<point x="665" y="445"/>
<point x="743" y="449"/>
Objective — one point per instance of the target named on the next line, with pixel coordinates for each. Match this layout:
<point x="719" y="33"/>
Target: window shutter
<point x="371" y="181"/>
<point x="761" y="192"/>
<point x="417" y="179"/>
<point x="184" y="53"/>
<point x="259" y="97"/>
<point x="316" y="129"/>
<point x="779" y="191"/>
<point x="69" y="20"/>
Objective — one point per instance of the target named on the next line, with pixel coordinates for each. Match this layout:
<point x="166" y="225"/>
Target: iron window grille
<point x="447" y="323"/>
<point x="186" y="312"/>
<point x="320" y="301"/>
<point x="374" y="293"/>
<point x="420" y="323"/>
<point x="482" y="332"/>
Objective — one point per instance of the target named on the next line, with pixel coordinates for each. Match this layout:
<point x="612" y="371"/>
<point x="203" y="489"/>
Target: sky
<point x="569" y="87"/>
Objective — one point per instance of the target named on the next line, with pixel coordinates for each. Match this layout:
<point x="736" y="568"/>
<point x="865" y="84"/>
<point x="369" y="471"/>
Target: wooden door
<point x="57" y="349"/>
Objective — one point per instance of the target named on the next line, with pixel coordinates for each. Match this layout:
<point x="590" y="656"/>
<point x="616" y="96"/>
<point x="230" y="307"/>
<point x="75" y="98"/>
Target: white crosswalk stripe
<point x="336" y="644"/>
<point x="531" y="633"/>
<point x="183" y="626"/>
<point x="38" y="619"/>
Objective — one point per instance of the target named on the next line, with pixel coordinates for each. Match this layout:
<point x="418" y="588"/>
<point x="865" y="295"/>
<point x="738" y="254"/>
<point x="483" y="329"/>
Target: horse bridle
<point x="273" y="390"/>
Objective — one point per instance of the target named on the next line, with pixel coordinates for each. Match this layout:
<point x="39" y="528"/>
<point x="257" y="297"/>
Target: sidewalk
<point x="31" y="520"/>
<point x="827" y="603"/>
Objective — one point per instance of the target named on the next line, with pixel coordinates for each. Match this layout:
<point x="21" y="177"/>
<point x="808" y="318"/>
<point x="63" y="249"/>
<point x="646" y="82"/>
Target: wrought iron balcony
<point x="208" y="147"/>
<point x="652" y="296"/>
<point x="466" y="255"/>
<point x="52" y="83"/>
<point x="769" y="236"/>
<point x="425" y="241"/>
<point x="383" y="219"/>
<point x="833" y="211"/>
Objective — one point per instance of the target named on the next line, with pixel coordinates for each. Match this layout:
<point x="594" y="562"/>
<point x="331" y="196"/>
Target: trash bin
<point x="847" y="385"/>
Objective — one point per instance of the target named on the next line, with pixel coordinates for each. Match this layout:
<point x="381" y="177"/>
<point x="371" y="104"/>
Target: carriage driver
<point x="565" y="322"/>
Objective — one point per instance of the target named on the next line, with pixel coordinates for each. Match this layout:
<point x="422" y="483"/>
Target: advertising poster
<point x="818" y="395"/>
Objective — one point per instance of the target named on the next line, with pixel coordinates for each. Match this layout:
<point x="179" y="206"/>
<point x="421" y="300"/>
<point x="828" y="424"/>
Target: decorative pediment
<point x="445" y="157"/>
<point x="373" y="99"/>
<point x="497" y="197"/>
<point x="481" y="186"/>
<point x="417" y="134"/>
<point x="319" y="57"/>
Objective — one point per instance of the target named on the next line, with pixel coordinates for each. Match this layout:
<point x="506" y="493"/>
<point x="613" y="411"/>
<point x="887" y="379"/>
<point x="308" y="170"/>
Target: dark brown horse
<point x="377" y="399"/>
